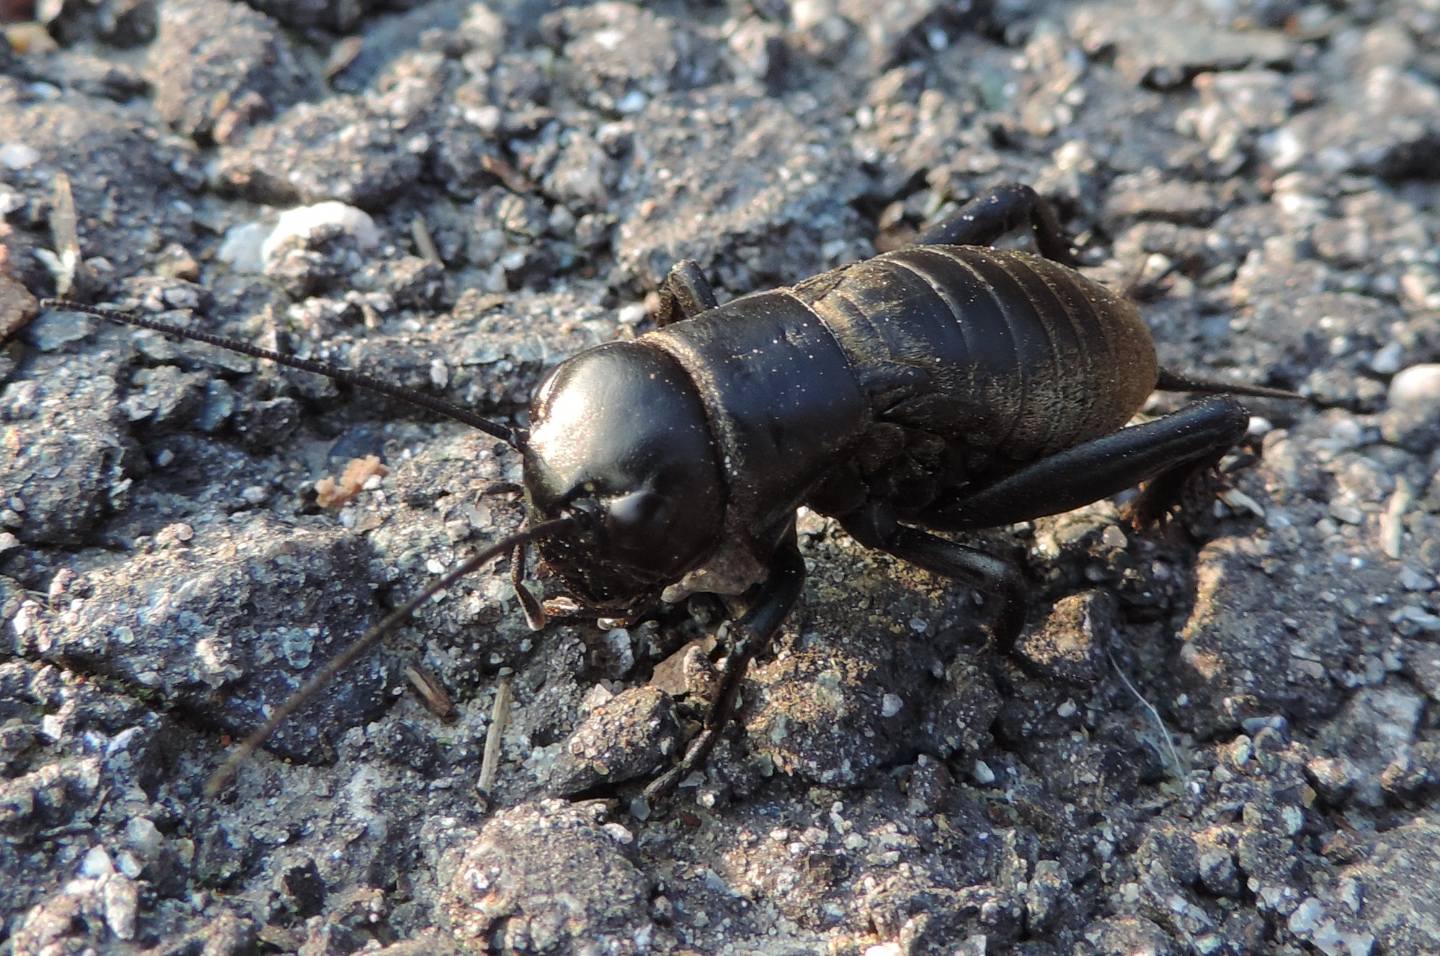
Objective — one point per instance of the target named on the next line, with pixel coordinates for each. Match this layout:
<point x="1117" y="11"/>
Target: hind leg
<point x="1166" y="452"/>
<point x="997" y="211"/>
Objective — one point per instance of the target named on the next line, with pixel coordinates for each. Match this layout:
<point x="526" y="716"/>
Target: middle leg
<point x="684" y="294"/>
<point x="875" y="528"/>
<point x="997" y="211"/>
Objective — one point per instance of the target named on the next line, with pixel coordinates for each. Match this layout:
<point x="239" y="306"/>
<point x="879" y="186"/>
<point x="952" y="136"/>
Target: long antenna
<point x="369" y="639"/>
<point x="449" y="409"/>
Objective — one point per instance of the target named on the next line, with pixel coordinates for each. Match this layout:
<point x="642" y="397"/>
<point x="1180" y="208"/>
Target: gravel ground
<point x="1220" y="737"/>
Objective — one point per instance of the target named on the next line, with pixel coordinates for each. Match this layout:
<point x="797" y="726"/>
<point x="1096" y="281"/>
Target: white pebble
<point x="619" y="833"/>
<point x="1416" y="385"/>
<point x="120" y="901"/>
<point x="303" y="220"/>
<point x="96" y="863"/>
<point x="18" y="155"/>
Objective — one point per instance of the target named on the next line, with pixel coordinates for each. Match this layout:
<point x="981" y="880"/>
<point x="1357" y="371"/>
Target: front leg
<point x="774" y="598"/>
<point x="684" y="294"/>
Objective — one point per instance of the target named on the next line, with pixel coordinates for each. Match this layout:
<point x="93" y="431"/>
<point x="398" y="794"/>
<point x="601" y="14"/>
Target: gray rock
<point x="337" y="15"/>
<point x="958" y="720"/>
<point x="1393" y="891"/>
<point x="166" y="398"/>
<point x="618" y="56"/>
<point x="1124" y="935"/>
<point x="1154" y="196"/>
<point x="630" y="735"/>
<point x="333" y="150"/>
<point x="226" y="935"/>
<point x="52" y="330"/>
<point x="1376" y="727"/>
<point x="387" y="39"/>
<point x="104" y="904"/>
<point x="547" y="878"/>
<point x="1383" y="122"/>
<point x="895" y="29"/>
<point x="240" y="612"/>
<point x="1072" y="643"/>
<point x="930" y="919"/>
<point x="219" y="69"/>
<point x="1234" y="110"/>
<point x="1154" y="47"/>
<point x="69" y="460"/>
<point x="815" y="706"/>
<point x="775" y="181"/>
<point x="123" y="23"/>
<point x="1422" y="663"/>
<point x="111" y="165"/>
<point x="1418" y="385"/>
<point x="1245" y="653"/>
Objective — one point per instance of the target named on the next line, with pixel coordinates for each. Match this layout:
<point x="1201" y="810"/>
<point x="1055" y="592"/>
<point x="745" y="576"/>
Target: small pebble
<point x="1412" y="580"/>
<point x="1417" y="385"/>
<point x="303" y="220"/>
<point x="18" y="156"/>
<point x="96" y="863"/>
<point x="121" y="902"/>
<point x="144" y="837"/>
<point x="1346" y="512"/>
<point x="1386" y="361"/>
<point x="242" y="247"/>
<point x="1307" y="915"/>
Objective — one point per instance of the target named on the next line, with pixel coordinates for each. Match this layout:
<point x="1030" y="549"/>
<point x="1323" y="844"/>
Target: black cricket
<point x="945" y="386"/>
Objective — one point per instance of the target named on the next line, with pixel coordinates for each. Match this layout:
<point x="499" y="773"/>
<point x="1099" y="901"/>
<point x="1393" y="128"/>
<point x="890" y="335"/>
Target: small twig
<point x="1392" y="522"/>
<point x="499" y="717"/>
<point x="432" y="695"/>
<point x="424" y="244"/>
<point x="64" y="235"/>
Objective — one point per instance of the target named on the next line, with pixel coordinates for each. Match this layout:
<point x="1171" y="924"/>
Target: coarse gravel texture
<point x="1219" y="737"/>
